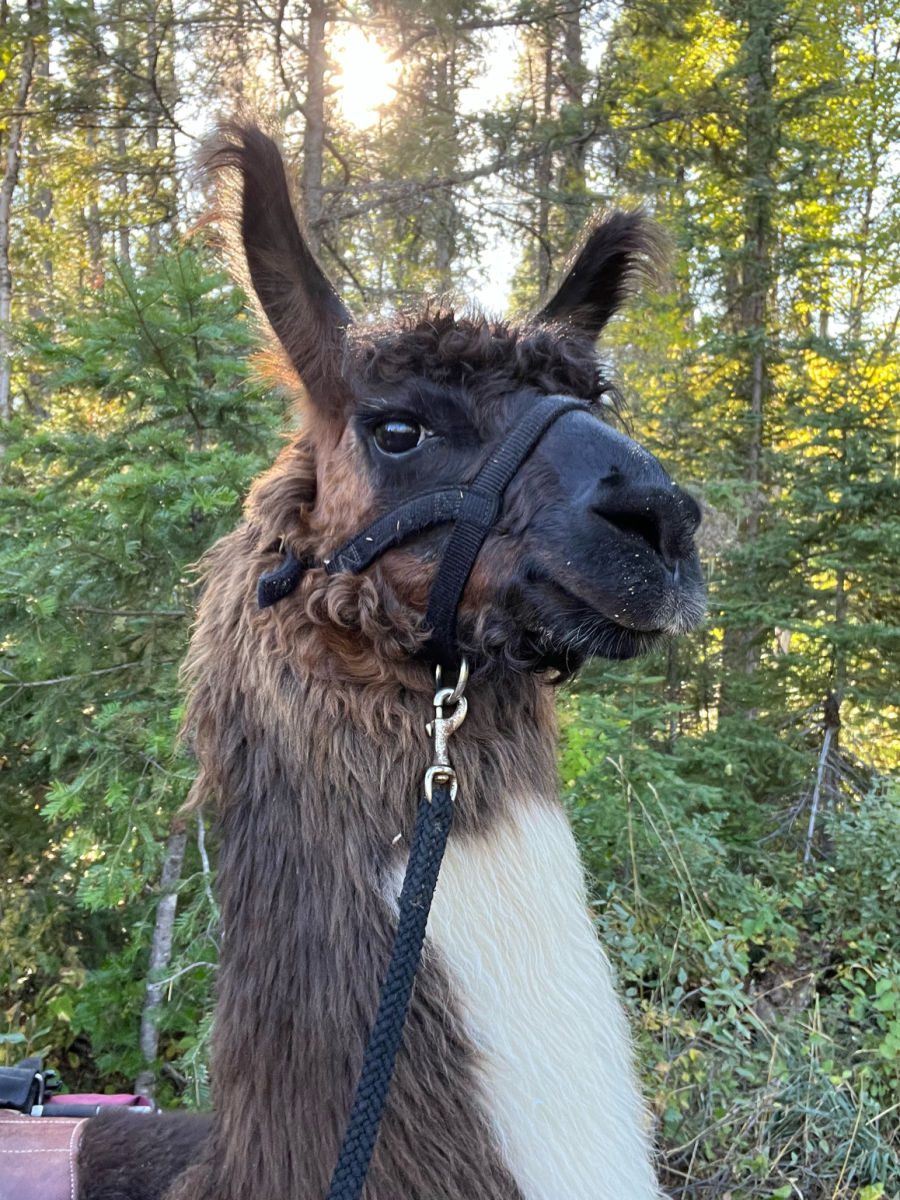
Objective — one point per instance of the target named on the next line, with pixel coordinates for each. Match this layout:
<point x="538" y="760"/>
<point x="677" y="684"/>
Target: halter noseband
<point x="472" y="509"/>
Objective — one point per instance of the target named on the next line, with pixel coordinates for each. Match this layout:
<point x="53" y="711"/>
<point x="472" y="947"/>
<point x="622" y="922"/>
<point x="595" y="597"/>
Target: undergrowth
<point x="765" y="995"/>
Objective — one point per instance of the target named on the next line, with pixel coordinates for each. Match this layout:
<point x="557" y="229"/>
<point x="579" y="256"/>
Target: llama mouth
<point x="559" y="631"/>
<point x="565" y="628"/>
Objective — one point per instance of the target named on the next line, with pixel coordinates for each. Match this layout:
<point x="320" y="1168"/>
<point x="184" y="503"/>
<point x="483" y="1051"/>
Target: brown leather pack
<point x="38" y="1156"/>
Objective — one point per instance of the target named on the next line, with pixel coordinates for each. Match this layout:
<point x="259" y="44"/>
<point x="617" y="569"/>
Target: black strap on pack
<point x="22" y="1086"/>
<point x="472" y="509"/>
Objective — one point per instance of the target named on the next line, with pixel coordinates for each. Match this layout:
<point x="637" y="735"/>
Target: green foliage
<point x="766" y="996"/>
<point x="154" y="434"/>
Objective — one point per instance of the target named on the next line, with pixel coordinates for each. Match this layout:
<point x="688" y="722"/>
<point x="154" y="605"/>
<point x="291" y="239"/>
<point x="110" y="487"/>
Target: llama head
<point x="593" y="552"/>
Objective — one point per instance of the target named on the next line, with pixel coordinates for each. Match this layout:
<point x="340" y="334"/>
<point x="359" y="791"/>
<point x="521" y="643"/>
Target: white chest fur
<point x="510" y="921"/>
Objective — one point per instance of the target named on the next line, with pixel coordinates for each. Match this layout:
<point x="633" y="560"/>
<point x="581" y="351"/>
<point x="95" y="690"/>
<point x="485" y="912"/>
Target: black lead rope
<point x="429" y="839"/>
<point x="433" y="822"/>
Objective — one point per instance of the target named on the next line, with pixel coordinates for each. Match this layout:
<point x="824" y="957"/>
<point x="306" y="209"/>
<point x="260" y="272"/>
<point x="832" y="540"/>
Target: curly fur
<point x="489" y="358"/>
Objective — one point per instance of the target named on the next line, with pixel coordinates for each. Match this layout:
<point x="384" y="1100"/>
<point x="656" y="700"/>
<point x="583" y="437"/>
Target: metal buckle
<point x="441" y="729"/>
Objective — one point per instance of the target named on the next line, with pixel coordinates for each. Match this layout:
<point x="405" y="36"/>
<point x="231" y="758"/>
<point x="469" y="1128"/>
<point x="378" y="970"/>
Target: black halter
<point x="472" y="508"/>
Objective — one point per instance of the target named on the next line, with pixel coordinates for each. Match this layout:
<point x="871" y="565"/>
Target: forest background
<point x="735" y="796"/>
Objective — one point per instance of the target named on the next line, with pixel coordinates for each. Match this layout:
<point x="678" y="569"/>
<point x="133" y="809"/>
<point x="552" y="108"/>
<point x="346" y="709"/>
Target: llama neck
<point x="321" y="794"/>
<point x="369" y="746"/>
<point x="531" y="1035"/>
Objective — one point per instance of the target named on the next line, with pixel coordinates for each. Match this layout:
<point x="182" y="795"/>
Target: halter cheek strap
<point x="472" y="509"/>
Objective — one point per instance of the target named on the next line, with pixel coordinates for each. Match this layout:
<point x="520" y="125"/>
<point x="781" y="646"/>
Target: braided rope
<point x="429" y="840"/>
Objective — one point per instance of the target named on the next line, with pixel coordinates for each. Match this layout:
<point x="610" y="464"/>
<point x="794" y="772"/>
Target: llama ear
<point x="291" y="290"/>
<point x="618" y="251"/>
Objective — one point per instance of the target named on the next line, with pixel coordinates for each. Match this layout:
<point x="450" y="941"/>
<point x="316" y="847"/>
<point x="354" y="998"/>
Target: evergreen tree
<point x="154" y="435"/>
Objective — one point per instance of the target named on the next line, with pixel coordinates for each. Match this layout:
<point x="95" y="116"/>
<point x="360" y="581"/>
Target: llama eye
<point x="396" y="437"/>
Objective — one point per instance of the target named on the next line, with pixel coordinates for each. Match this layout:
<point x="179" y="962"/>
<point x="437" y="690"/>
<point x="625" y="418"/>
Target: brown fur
<point x="271" y="258"/>
<point x="130" y="1156"/>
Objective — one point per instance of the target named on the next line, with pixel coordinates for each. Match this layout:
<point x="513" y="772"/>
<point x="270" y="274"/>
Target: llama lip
<point x="573" y="621"/>
<point x="656" y="599"/>
<point x="566" y="628"/>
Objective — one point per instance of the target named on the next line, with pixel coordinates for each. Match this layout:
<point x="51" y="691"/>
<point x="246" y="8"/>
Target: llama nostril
<point x="612" y="478"/>
<point x="663" y="518"/>
<point x="642" y="524"/>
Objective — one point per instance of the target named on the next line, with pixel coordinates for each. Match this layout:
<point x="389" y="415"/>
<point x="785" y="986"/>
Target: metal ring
<point x="461" y="681"/>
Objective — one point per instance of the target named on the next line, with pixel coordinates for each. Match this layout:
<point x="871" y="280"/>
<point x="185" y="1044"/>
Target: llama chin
<point x="510" y="922"/>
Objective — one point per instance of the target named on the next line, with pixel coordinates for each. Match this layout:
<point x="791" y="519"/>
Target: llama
<point x="514" y="1080"/>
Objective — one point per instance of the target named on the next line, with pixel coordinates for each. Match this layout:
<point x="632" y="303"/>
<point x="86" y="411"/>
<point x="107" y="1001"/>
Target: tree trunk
<point x="123" y="236"/>
<point x="93" y="224"/>
<point x="154" y="117"/>
<point x="314" y="128"/>
<point x="123" y="185"/>
<point x="756" y="266"/>
<point x="445" y="230"/>
<point x="817" y="792"/>
<point x="92" y="221"/>
<point x="160" y="956"/>
<point x="572" y="78"/>
<point x="742" y="645"/>
<point x="41" y="206"/>
<point x="545" y="175"/>
<point x="12" y="162"/>
<point x="42" y="202"/>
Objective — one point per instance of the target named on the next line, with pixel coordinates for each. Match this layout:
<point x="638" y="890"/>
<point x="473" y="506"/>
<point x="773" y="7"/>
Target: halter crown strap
<point x="472" y="509"/>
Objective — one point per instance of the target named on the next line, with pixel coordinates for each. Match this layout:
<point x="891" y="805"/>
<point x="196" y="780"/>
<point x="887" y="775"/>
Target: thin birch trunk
<point x="12" y="163"/>
<point x="817" y="791"/>
<point x="160" y="956"/>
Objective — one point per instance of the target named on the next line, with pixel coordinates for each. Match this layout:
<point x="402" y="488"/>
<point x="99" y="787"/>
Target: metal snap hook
<point x="441" y="729"/>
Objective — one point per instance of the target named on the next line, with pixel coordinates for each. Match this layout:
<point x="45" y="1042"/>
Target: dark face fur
<point x="593" y="552"/>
